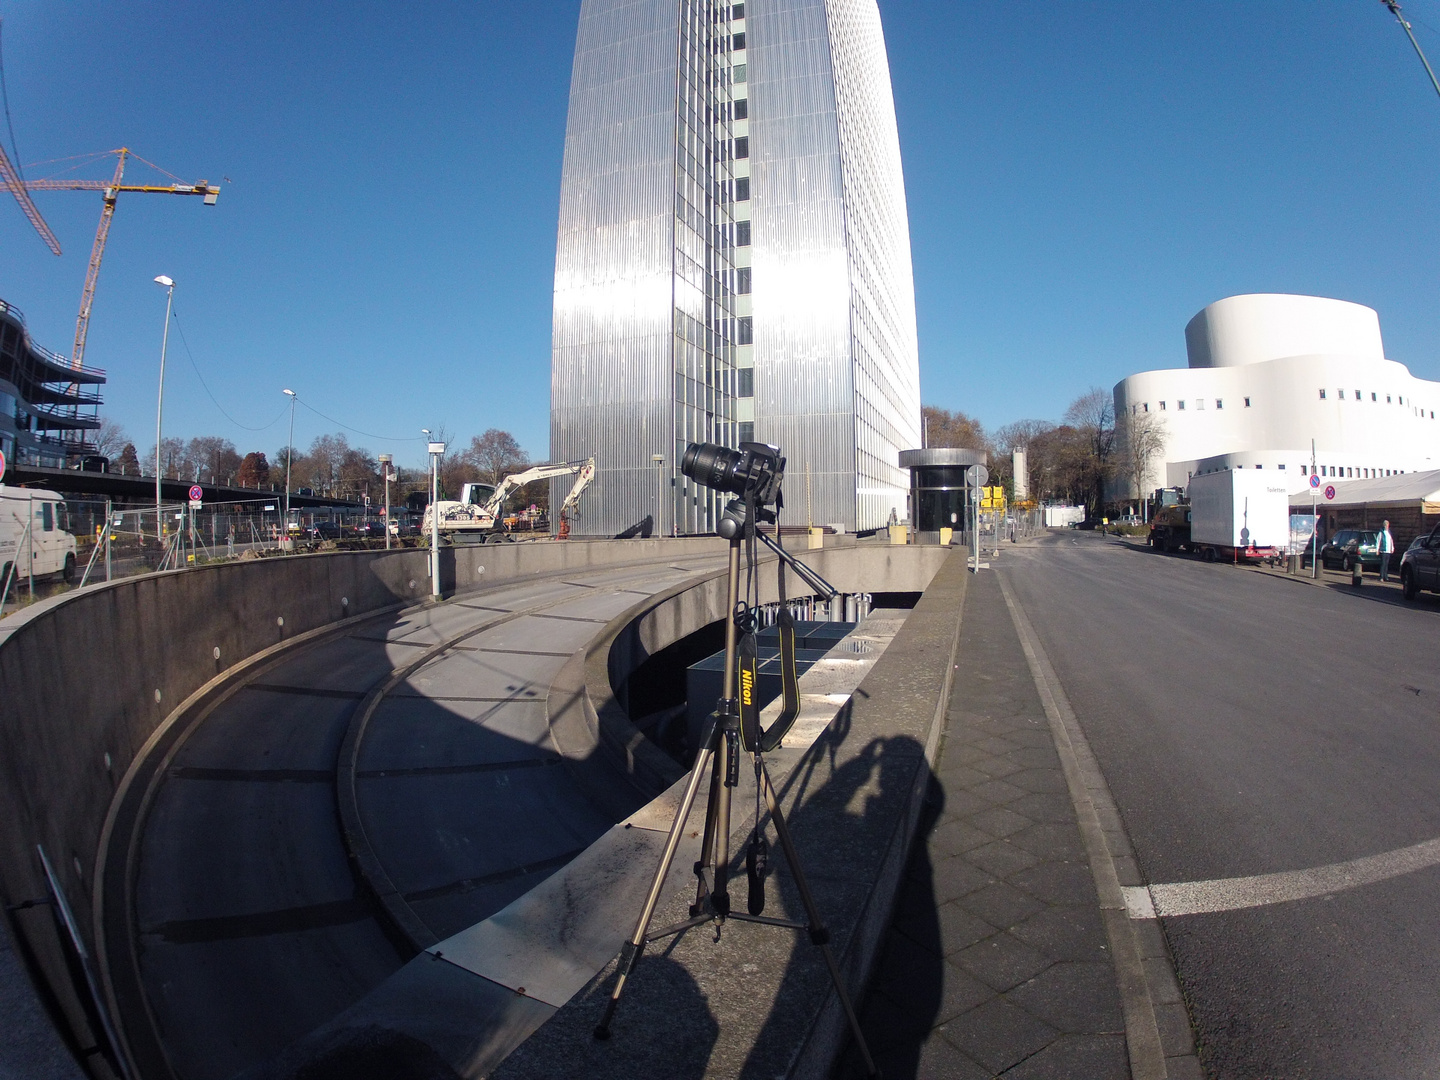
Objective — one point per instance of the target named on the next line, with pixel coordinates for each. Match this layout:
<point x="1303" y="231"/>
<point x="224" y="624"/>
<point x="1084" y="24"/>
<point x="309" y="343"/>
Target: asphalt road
<point x="1249" y="725"/>
<point x="252" y="926"/>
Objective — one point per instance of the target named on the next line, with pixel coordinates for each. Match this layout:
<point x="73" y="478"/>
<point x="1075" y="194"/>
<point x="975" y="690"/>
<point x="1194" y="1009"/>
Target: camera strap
<point x="789" y="680"/>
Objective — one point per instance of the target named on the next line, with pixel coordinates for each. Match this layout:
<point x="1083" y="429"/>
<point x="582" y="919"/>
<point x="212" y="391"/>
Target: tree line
<point x="331" y="466"/>
<point x="1089" y="459"/>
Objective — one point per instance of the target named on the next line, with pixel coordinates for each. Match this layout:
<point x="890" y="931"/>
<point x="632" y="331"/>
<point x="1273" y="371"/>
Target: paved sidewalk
<point x="997" y="962"/>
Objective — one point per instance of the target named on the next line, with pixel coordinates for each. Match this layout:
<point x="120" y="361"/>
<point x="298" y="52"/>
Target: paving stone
<point x="959" y="928"/>
<point x="1184" y="1068"/>
<point x="962" y="776"/>
<point x="1037" y="780"/>
<point x="938" y="992"/>
<point x="1045" y="806"/>
<point x="1078" y="998"/>
<point x="901" y="956"/>
<point x="1002" y="961"/>
<point x="998" y="1035"/>
<point x="1001" y="822"/>
<point x="1050" y="840"/>
<point x="1057" y="882"/>
<point x="1000" y="904"/>
<point x="1077" y="1057"/>
<point x="957" y="836"/>
<point x="1001" y="859"/>
<point x="1035" y="757"/>
<point x="1161" y="977"/>
<point x="998" y="792"/>
<point x="997" y="767"/>
<point x="955" y="877"/>
<point x="1066" y="933"/>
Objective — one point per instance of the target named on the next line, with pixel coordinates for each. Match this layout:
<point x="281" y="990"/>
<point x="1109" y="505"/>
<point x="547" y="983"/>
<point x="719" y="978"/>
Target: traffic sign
<point x="1329" y="491"/>
<point x="1315" y="480"/>
<point x="196" y="493"/>
<point x="2" y="465"/>
<point x="195" y="504"/>
<point x="977" y="475"/>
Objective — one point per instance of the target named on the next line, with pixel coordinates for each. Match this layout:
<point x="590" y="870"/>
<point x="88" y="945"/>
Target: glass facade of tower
<point x="733" y="259"/>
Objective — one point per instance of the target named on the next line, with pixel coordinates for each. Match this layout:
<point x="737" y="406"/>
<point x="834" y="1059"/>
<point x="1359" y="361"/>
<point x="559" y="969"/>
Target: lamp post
<point x="169" y="284"/>
<point x="435" y="449"/>
<point x="385" y="460"/>
<point x="289" y="455"/>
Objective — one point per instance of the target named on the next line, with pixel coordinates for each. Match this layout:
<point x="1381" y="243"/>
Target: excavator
<point x="477" y="517"/>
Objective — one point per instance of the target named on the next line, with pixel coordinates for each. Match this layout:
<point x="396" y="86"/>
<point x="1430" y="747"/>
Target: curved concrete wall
<point x="1255" y="327"/>
<point x="90" y="677"/>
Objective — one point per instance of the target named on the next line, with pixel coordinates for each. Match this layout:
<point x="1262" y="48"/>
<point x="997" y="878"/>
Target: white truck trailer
<point x="1239" y="514"/>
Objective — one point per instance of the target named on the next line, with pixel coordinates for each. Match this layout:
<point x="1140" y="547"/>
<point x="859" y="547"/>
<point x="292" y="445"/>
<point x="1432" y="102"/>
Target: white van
<point x="48" y="549"/>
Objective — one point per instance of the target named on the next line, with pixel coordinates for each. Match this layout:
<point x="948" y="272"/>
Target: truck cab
<point x="34" y="535"/>
<point x="1170" y="528"/>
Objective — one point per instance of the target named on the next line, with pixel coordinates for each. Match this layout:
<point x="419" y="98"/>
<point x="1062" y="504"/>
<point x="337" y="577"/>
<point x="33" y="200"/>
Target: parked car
<point x="370" y="530"/>
<point x="325" y="530"/>
<point x="1347" y="545"/>
<point x="403" y="527"/>
<point x="1420" y="565"/>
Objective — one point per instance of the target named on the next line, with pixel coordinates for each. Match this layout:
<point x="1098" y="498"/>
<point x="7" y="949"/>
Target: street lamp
<point x="435" y="450"/>
<point x="169" y="284"/>
<point x="385" y="460"/>
<point x="289" y="455"/>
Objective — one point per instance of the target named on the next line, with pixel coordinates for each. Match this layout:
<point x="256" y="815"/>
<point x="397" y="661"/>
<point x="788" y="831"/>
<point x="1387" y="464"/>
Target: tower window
<point x="742" y="234"/>
<point x="742" y="109"/>
<point x="745" y="382"/>
<point x="742" y="280"/>
<point x="737" y="11"/>
<point x="742" y="188"/>
<point x="737" y="42"/>
<point x="746" y="331"/>
<point x="742" y="147"/>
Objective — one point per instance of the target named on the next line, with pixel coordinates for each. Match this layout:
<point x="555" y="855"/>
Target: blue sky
<point x="1082" y="178"/>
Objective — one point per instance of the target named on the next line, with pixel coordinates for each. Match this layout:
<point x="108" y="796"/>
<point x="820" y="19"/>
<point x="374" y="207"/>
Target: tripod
<point x="720" y="753"/>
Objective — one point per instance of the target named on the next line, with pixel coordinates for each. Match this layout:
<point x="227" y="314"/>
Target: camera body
<point x="753" y="473"/>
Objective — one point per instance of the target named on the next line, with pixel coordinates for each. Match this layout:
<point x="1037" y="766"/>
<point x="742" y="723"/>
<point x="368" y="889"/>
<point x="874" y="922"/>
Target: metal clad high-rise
<point x="733" y="258"/>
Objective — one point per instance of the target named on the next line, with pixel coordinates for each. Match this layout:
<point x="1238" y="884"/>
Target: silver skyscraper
<point x="733" y="259"/>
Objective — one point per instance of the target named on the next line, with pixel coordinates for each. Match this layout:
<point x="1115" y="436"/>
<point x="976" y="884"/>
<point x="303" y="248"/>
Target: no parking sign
<point x="1329" y="491"/>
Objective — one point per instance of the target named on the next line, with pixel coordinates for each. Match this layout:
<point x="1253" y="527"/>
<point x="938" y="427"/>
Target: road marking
<point x="1087" y="787"/>
<point x="1233" y="894"/>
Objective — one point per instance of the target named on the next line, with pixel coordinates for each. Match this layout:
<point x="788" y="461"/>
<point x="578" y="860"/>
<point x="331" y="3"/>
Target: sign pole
<point x="1314" y="517"/>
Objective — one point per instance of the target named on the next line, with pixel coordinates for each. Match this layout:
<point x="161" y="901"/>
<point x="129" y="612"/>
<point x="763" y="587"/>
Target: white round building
<point x="1268" y="374"/>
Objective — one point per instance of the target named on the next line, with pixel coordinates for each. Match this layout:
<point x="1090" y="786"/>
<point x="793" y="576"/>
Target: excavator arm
<point x="586" y="469"/>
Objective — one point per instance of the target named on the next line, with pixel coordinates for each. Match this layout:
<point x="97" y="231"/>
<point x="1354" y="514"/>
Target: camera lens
<point x="713" y="466"/>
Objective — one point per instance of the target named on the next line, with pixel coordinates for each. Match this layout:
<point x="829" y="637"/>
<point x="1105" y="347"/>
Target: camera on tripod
<point x="754" y="472"/>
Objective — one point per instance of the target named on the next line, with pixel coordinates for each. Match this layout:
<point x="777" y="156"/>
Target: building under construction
<point x="47" y="406"/>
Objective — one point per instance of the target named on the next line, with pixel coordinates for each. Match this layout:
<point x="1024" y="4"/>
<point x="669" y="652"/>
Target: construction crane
<point x="10" y="181"/>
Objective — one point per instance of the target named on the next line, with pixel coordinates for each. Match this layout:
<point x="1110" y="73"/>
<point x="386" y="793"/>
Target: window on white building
<point x="1280" y="466"/>
<point x="1247" y="403"/>
<point x="1340" y="394"/>
<point x="1219" y="403"/>
<point x="1147" y="406"/>
<point x="1374" y="396"/>
<point x="1200" y="403"/>
<point x="1322" y="393"/>
<point x="1302" y="469"/>
<point x="1162" y="406"/>
<point x="1180" y="404"/>
<point x="1387" y="399"/>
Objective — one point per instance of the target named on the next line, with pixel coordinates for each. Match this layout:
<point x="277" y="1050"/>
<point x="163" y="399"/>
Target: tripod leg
<point x="630" y="951"/>
<point x="707" y="844"/>
<point x="819" y="935"/>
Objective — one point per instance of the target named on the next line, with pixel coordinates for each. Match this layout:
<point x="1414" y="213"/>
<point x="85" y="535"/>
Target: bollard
<point x="1294" y="565"/>
<point x="1356" y="569"/>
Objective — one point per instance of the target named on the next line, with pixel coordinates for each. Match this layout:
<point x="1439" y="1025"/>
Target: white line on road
<point x="1232" y="894"/>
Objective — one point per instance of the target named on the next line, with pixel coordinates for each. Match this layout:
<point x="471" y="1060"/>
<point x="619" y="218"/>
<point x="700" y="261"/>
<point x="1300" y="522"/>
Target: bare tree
<point x="1142" y="444"/>
<point x="1092" y="416"/>
<point x="110" y="438"/>
<point x="495" y="454"/>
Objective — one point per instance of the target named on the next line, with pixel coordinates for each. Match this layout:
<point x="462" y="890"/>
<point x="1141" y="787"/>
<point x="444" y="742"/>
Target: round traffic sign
<point x="1329" y="491"/>
<point x="2" y="465"/>
<point x="1314" y="479"/>
<point x="977" y="475"/>
<point x="196" y="493"/>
